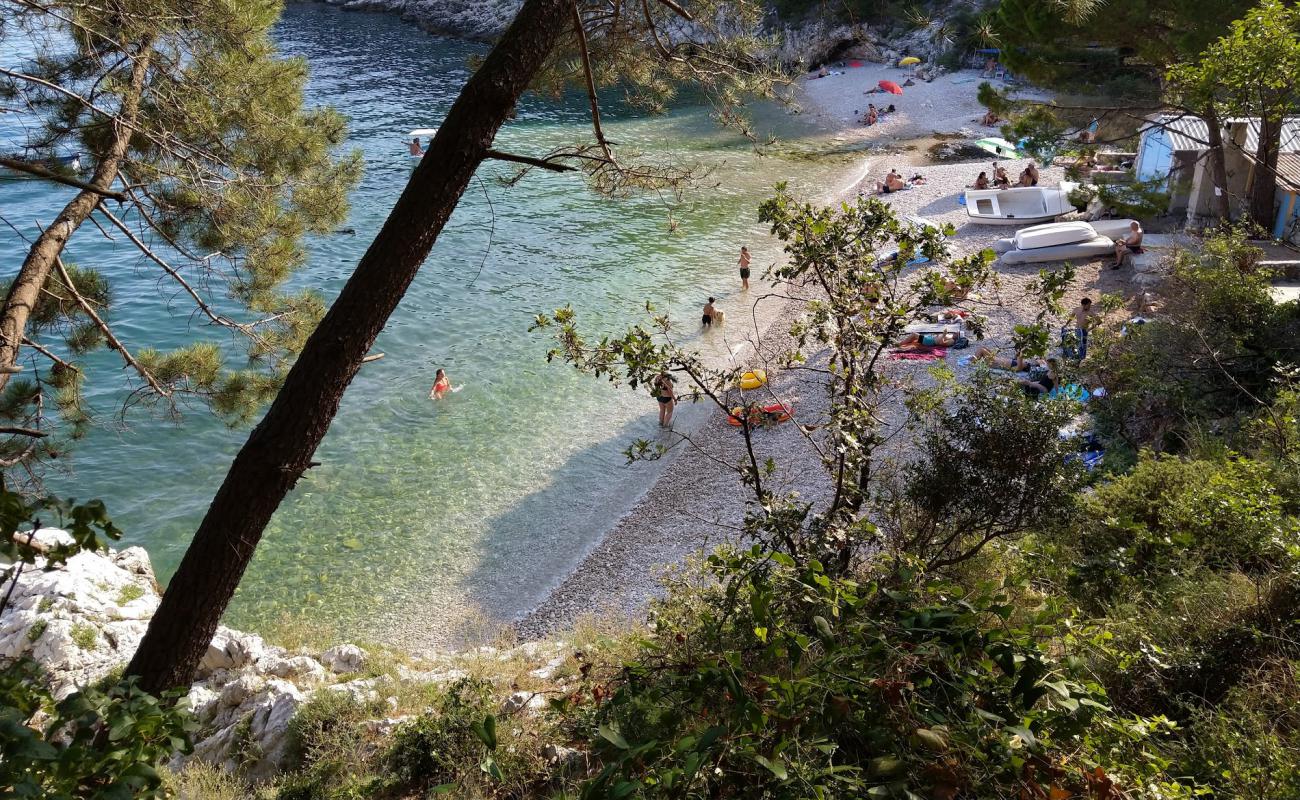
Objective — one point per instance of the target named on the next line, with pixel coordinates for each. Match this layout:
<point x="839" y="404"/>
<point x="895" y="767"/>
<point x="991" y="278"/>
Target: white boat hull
<point x="1098" y="247"/>
<point x="1053" y="234"/>
<point x="1019" y="206"/>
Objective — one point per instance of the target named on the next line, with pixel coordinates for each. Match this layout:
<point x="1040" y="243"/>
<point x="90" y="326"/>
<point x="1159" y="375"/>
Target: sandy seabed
<point x="698" y="502"/>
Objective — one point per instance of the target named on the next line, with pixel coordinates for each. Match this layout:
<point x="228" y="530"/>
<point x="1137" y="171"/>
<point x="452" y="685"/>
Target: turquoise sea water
<point x="431" y="516"/>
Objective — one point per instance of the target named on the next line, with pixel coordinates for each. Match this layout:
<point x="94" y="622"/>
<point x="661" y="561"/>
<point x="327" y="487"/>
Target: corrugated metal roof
<point x="1186" y="132"/>
<point x="1288" y="168"/>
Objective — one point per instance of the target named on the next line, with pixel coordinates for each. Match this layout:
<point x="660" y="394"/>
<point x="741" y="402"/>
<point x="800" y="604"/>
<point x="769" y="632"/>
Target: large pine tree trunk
<point x="280" y="448"/>
<point x="45" y="251"/>
<point x="1263" y="188"/>
<point x="1218" y="164"/>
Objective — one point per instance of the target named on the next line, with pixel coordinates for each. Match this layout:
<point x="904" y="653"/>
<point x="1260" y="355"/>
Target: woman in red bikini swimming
<point x="441" y="385"/>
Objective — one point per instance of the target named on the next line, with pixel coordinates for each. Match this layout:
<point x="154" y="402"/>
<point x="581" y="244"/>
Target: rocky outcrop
<point x="83" y="620"/>
<point x="480" y="20"/>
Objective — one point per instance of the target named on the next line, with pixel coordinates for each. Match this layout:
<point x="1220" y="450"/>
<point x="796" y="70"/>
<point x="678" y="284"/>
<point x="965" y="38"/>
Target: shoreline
<point x="695" y="502"/>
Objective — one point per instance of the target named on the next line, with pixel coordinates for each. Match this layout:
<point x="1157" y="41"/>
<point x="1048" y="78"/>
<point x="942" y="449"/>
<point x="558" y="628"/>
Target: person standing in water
<point x="416" y="149"/>
<point x="709" y="313"/>
<point x="441" y="385"/>
<point x="666" y="394"/>
<point x="744" y="267"/>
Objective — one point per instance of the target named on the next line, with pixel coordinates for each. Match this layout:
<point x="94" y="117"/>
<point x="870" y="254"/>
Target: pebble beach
<point x="697" y="502"/>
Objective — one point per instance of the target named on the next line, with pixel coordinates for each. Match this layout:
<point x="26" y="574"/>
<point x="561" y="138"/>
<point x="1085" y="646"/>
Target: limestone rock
<point x="344" y="658"/>
<point x="240" y="689"/>
<point x="299" y="669"/>
<point x="361" y="691"/>
<point x="231" y="649"/>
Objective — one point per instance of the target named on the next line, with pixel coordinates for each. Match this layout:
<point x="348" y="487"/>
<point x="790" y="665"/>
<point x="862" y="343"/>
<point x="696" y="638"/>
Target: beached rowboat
<point x="1019" y="206"/>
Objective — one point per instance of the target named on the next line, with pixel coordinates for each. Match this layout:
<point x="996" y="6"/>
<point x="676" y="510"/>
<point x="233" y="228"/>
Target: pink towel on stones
<point x="919" y="354"/>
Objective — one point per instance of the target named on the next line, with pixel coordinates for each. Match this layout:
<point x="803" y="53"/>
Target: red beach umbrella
<point x="891" y="87"/>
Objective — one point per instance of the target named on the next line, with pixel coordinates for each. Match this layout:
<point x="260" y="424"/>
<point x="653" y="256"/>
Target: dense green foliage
<point x="101" y="741"/>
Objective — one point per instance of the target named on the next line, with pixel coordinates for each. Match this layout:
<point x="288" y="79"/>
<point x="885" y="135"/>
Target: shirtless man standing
<point x="1084" y="316"/>
<point x="744" y="267"/>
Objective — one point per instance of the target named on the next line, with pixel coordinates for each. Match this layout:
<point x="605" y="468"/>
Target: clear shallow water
<point x="428" y="517"/>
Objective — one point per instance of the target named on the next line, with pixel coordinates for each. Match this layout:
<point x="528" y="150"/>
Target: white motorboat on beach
<point x="1019" y="205"/>
<point x="1062" y="241"/>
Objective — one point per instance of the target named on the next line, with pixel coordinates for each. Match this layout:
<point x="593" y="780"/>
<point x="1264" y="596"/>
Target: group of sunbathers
<point x="1001" y="180"/>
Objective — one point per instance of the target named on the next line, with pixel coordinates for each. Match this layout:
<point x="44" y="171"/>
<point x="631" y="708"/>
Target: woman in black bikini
<point x="667" y="397"/>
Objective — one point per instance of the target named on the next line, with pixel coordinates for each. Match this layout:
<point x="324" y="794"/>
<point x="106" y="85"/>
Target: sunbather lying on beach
<point x="1016" y="363"/>
<point x="1041" y="380"/>
<point x="945" y="339"/>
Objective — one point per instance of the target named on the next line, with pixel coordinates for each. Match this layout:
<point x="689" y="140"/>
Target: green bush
<point x="1170" y="518"/>
<point x="790" y="683"/>
<point x="1209" y="361"/>
<point x="332" y="749"/>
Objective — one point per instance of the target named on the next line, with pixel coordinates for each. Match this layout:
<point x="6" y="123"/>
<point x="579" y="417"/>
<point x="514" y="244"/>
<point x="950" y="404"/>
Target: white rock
<point x="240" y="689"/>
<point x="300" y="669"/>
<point x="135" y="561"/>
<point x="361" y="691"/>
<point x="202" y="702"/>
<point x="547" y="671"/>
<point x="385" y="726"/>
<point x="344" y="658"/>
<point x="231" y="649"/>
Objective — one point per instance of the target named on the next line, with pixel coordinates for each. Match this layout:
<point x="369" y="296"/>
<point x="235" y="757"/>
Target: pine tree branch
<point x="14" y="431"/>
<point x="678" y="10"/>
<point x="41" y="172"/>
<point x="45" y="352"/>
<point x="590" y="78"/>
<point x="535" y="162"/>
<point x="108" y="333"/>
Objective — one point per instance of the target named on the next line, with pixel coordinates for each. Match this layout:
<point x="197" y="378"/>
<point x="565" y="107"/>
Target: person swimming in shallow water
<point x="441" y="385"/>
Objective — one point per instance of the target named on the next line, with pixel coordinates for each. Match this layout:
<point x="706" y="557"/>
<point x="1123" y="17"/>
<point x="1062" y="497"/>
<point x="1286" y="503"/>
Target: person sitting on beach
<point x="666" y="394"/>
<point x="945" y="339"/>
<point x="893" y="183"/>
<point x="1026" y="178"/>
<point x="1032" y="171"/>
<point x="822" y="72"/>
<point x="982" y="182"/>
<point x="441" y="385"/>
<point x="1016" y="363"/>
<point x="1041" y="380"/>
<point x="990" y="68"/>
<point x="1129" y="245"/>
<point x="1001" y="179"/>
<point x="709" y="313"/>
<point x="990" y="118"/>
<point x="416" y="149"/>
<point x="1086" y="136"/>
<point x="872" y="115"/>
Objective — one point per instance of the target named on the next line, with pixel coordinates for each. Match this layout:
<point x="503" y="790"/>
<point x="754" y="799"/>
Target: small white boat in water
<point x="61" y="164"/>
<point x="1020" y="205"/>
<point x="425" y="135"/>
